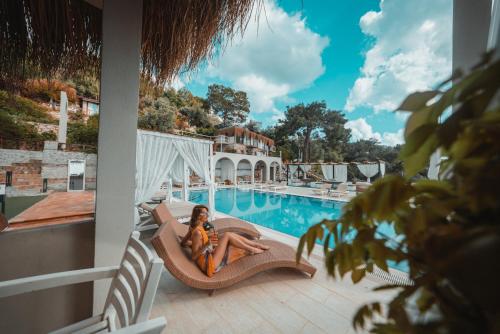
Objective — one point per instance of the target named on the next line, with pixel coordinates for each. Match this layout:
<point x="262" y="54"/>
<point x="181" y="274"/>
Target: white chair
<point x="130" y="297"/>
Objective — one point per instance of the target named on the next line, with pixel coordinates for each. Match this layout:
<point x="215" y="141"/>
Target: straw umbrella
<point x="46" y="36"/>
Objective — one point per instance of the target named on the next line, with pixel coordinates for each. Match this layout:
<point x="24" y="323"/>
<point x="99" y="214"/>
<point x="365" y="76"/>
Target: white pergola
<point x="164" y="157"/>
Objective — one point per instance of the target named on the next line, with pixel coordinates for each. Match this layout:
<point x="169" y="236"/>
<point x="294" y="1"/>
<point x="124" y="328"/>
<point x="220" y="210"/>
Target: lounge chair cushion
<point x="162" y="215"/>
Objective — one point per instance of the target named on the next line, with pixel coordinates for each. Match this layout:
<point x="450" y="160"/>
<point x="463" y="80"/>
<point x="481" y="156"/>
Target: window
<point x="8" y="179"/>
<point x="76" y="175"/>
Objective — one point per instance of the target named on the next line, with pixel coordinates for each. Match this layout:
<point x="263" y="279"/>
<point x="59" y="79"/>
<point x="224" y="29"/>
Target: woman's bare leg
<point x="251" y="242"/>
<point x="230" y="239"/>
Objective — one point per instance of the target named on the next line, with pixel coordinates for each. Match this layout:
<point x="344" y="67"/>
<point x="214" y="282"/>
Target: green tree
<point x="87" y="86"/>
<point x="157" y="115"/>
<point x="303" y="120"/>
<point x="448" y="230"/>
<point x="253" y="126"/>
<point x="230" y="105"/>
<point x="335" y="134"/>
<point x="196" y="116"/>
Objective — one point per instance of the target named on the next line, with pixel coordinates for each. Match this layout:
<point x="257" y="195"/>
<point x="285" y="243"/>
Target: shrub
<point x="448" y="230"/>
<point x="45" y="90"/>
<point x="80" y="133"/>
<point x="23" y="109"/>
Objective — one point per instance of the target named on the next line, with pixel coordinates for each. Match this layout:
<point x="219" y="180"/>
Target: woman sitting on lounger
<point x="230" y="247"/>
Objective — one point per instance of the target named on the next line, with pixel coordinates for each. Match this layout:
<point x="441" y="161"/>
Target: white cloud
<point x="393" y="138"/>
<point x="277" y="55"/>
<point x="360" y="129"/>
<point x="411" y="51"/>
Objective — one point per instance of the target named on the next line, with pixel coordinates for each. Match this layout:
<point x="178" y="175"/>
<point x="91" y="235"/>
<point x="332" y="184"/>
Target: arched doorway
<point x="244" y="171"/>
<point x="224" y="171"/>
<point x="260" y="171"/>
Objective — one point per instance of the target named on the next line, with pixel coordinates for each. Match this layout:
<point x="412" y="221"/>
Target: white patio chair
<point x="130" y="297"/>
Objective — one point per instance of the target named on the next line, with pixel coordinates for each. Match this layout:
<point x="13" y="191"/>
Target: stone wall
<point x="29" y="168"/>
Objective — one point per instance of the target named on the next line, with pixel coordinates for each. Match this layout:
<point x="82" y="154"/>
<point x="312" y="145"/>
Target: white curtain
<point x="225" y="170"/>
<point x="340" y="173"/>
<point x="292" y="169"/>
<point x="327" y="171"/>
<point x="382" y="168"/>
<point x="197" y="157"/>
<point x="305" y="169"/>
<point x="154" y="158"/>
<point x="433" y="172"/>
<point x="177" y="170"/>
<point x="368" y="170"/>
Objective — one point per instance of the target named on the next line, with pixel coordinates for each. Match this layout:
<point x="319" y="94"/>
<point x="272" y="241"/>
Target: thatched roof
<point x="46" y="36"/>
<point x="240" y="132"/>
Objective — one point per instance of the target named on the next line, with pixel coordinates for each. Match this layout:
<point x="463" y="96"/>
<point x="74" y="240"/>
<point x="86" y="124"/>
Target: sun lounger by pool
<point x="275" y="187"/>
<point x="161" y="215"/>
<point x="323" y="189"/>
<point x="340" y="191"/>
<point x="178" y="263"/>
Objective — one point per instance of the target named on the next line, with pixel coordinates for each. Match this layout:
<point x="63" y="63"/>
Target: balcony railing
<point x="224" y="140"/>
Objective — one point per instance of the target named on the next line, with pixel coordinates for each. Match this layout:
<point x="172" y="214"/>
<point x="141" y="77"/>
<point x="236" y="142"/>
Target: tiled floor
<point x="277" y="301"/>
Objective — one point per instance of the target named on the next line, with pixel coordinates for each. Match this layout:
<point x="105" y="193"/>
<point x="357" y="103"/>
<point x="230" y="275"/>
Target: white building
<point x="243" y="156"/>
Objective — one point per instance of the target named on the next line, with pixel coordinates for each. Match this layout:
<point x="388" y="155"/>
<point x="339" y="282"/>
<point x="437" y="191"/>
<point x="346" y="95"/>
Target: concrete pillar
<point x="121" y="30"/>
<point x="471" y="25"/>
<point x="63" y="119"/>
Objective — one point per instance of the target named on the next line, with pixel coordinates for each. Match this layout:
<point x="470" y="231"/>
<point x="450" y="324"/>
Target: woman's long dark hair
<point x="195" y="214"/>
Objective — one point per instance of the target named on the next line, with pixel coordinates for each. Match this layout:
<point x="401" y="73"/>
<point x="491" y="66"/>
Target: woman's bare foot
<point x="254" y="251"/>
<point x="263" y="247"/>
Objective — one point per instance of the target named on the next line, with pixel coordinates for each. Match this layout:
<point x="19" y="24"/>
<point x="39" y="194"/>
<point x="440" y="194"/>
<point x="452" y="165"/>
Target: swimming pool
<point x="285" y="213"/>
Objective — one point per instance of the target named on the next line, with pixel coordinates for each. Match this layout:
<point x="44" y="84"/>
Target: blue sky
<point x="360" y="56"/>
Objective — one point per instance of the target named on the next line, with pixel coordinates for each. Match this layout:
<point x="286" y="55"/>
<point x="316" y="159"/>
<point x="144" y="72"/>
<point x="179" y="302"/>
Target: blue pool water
<point x="289" y="214"/>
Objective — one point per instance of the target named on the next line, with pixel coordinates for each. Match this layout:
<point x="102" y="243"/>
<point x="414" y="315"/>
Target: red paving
<point x="57" y="208"/>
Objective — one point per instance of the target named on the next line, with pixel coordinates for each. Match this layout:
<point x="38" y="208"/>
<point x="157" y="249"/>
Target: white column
<point x="185" y="183"/>
<point x="235" y="176"/>
<point x="119" y="93"/>
<point x="471" y="24"/>
<point x="211" y="184"/>
<point x="252" y="171"/>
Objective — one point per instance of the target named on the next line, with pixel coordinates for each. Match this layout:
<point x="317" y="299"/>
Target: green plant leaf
<point x="417" y="100"/>
<point x="357" y="275"/>
<point x="300" y="248"/>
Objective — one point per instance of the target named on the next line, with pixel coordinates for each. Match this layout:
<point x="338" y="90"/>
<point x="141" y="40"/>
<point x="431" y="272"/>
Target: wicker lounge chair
<point x="179" y="264"/>
<point x="161" y="215"/>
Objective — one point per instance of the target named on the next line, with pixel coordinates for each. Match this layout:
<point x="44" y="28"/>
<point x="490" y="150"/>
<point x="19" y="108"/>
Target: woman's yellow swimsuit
<point x="206" y="262"/>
